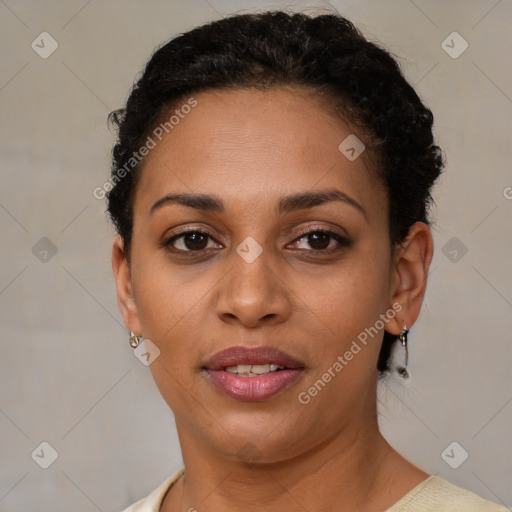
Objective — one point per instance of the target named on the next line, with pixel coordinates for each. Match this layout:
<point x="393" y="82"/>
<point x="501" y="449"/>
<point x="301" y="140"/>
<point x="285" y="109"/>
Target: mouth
<point x="252" y="374"/>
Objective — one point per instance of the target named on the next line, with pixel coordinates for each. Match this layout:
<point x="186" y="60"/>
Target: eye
<point x="190" y="241"/>
<point x="198" y="240"/>
<point x="321" y="240"/>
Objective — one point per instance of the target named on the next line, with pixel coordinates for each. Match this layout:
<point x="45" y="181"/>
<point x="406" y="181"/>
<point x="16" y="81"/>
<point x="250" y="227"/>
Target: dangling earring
<point x="402" y="370"/>
<point x="134" y="340"/>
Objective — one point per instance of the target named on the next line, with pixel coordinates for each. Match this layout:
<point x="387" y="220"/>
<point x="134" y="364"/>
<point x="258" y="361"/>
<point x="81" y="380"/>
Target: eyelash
<point x="342" y="241"/>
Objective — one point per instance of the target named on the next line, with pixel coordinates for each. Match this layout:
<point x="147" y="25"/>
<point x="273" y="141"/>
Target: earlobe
<point x="122" y="276"/>
<point x="410" y="274"/>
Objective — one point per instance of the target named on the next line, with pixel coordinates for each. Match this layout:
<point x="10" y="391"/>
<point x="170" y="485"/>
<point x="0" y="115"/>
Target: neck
<point x="350" y="471"/>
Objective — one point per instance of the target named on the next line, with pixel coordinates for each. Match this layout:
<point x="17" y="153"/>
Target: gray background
<point x="68" y="374"/>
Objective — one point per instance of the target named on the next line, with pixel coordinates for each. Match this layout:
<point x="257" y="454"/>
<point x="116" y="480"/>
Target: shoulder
<point x="435" y="494"/>
<point x="153" y="501"/>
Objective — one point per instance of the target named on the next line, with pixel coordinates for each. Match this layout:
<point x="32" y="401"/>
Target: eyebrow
<point x="287" y="204"/>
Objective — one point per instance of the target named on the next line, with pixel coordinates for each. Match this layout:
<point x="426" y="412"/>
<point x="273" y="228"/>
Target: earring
<point x="134" y="340"/>
<point x="402" y="370"/>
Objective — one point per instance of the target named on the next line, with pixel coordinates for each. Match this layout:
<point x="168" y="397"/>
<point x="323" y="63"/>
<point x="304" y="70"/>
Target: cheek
<point x="168" y="305"/>
<point x="168" y="311"/>
<point x="353" y="292"/>
<point x="345" y="308"/>
<point x="165" y="293"/>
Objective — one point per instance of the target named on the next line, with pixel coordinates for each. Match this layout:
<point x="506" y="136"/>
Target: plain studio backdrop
<point x="69" y="378"/>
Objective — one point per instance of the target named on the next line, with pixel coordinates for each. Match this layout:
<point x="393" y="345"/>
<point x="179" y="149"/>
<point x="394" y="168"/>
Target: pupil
<point x="314" y="237"/>
<point x="195" y="239"/>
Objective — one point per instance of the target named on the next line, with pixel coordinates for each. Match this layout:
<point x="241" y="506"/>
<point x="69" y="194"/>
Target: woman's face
<point x="257" y="279"/>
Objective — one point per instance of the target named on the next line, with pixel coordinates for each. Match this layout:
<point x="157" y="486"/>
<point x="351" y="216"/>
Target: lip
<point x="253" y="389"/>
<point x="233" y="356"/>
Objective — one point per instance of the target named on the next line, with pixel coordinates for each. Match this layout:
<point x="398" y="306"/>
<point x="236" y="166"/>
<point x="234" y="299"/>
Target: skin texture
<point x="250" y="148"/>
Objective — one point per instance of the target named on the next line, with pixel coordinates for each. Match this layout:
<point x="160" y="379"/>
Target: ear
<point x="122" y="276"/>
<point x="409" y="274"/>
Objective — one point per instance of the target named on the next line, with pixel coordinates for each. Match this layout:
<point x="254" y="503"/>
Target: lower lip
<point x="254" y="389"/>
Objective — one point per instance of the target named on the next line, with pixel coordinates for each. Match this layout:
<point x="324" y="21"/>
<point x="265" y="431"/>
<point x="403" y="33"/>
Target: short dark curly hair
<point x="361" y="81"/>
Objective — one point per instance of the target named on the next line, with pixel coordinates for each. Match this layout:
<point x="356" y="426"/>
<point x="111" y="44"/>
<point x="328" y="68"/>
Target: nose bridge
<point x="252" y="276"/>
<point x="253" y="290"/>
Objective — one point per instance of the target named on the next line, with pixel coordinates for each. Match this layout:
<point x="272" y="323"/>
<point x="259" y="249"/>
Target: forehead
<point x="253" y="146"/>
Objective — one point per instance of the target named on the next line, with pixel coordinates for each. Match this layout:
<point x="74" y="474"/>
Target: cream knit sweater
<point x="435" y="494"/>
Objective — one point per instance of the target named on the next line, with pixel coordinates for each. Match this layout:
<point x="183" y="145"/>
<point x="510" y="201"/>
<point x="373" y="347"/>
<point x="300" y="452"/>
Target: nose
<point x="253" y="293"/>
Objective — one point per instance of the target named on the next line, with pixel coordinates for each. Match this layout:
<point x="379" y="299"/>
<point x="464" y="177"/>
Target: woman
<point x="270" y="189"/>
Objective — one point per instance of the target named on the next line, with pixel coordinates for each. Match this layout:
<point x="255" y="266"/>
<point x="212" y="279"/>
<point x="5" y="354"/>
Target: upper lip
<point x="234" y="356"/>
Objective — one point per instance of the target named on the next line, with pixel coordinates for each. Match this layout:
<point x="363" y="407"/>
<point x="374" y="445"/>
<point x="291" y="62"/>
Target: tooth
<point x="247" y="370"/>
<point x="241" y="368"/>
<point x="260" y="369"/>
